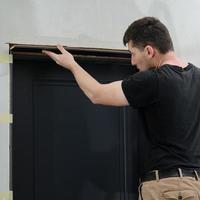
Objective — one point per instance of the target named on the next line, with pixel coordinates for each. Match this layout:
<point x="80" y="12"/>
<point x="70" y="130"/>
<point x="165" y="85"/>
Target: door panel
<point x="65" y="147"/>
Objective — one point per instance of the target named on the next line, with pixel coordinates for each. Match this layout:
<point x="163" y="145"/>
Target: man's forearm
<point x="85" y="81"/>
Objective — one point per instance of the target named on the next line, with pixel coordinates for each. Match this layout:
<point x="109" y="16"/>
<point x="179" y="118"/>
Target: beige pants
<point x="173" y="188"/>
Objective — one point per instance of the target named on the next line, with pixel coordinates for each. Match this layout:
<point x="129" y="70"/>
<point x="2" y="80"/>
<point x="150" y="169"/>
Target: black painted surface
<point x="65" y="147"/>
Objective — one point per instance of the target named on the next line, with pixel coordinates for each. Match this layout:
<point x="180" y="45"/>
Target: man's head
<point x="147" y="39"/>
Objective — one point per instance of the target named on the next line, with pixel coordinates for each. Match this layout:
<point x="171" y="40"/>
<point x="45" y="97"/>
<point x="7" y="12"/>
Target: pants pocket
<point x="178" y="195"/>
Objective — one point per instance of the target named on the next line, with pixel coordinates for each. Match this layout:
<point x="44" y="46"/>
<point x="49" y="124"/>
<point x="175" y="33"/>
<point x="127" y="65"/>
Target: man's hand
<point x="65" y="59"/>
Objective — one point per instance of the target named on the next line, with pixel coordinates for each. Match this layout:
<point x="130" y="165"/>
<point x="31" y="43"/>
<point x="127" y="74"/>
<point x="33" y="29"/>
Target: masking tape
<point x="6" y="118"/>
<point x="6" y="195"/>
<point x="6" y="58"/>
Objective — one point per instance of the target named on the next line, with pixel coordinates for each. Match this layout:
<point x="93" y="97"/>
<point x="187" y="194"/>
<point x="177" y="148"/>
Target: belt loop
<point x="157" y="175"/>
<point x="196" y="175"/>
<point x="180" y="172"/>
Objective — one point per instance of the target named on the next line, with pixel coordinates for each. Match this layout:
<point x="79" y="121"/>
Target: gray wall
<point x="88" y="23"/>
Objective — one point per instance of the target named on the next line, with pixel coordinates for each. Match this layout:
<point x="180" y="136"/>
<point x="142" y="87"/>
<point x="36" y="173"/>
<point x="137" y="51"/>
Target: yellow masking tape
<point x="6" y="118"/>
<point x="6" y="195"/>
<point x="6" y="58"/>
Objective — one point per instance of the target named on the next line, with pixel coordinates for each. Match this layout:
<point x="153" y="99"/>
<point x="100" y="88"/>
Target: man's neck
<point x="170" y="58"/>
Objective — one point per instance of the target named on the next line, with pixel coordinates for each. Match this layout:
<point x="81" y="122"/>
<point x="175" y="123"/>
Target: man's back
<point x="169" y="101"/>
<point x="174" y="120"/>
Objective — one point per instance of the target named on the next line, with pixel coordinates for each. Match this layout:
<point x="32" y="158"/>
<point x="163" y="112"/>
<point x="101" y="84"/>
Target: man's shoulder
<point x="195" y="66"/>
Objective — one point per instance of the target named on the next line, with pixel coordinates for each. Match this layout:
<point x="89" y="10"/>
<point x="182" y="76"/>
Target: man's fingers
<point x="50" y="54"/>
<point x="61" y="48"/>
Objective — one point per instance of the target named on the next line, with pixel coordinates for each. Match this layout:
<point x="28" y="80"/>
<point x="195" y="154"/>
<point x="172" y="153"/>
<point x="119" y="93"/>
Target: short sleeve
<point x="141" y="89"/>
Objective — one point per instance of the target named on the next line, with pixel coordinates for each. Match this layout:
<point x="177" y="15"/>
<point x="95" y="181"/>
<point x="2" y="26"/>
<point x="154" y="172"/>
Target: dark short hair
<point x="149" y="31"/>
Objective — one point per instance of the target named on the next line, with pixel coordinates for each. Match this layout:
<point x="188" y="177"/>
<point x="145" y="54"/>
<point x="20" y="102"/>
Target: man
<point x="166" y="90"/>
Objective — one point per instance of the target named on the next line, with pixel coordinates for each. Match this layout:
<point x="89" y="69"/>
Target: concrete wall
<point x="88" y="23"/>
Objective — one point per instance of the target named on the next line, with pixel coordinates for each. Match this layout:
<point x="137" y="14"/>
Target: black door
<point x="63" y="146"/>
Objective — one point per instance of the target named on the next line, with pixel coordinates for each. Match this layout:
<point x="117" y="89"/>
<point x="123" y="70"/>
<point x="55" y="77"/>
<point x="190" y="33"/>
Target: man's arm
<point x="105" y="94"/>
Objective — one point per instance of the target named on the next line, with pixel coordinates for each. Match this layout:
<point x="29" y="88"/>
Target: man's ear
<point x="149" y="51"/>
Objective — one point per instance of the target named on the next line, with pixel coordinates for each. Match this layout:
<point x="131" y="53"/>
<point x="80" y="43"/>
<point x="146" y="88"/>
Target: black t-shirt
<point x="169" y="100"/>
